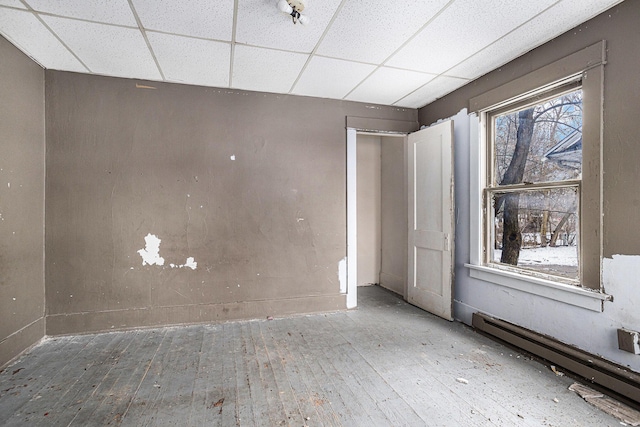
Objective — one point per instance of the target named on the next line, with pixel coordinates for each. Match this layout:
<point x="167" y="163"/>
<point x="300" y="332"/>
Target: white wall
<point x="589" y="330"/>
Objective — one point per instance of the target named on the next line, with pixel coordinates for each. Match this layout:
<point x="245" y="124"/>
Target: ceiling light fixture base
<point x="293" y="8"/>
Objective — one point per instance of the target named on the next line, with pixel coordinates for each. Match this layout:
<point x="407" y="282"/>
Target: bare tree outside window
<point x="535" y="183"/>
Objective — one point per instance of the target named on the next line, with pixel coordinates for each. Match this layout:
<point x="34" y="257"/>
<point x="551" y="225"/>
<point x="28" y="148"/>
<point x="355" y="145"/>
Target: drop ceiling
<point x="387" y="52"/>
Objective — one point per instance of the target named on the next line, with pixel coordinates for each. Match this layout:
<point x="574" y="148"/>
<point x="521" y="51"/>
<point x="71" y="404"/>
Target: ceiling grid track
<point x="146" y="39"/>
<point x="232" y="53"/>
<point x="315" y="48"/>
<point x="37" y="16"/>
<point x="356" y="50"/>
<point x="433" y="18"/>
<point x="444" y="73"/>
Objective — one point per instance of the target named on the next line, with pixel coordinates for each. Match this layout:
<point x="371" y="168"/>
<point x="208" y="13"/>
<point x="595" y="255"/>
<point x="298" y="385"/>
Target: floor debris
<point x="611" y="406"/>
<point x="555" y="371"/>
<point x="462" y="380"/>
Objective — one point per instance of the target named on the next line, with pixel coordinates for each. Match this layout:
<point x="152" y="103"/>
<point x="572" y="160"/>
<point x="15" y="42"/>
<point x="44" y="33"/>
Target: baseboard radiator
<point x="624" y="383"/>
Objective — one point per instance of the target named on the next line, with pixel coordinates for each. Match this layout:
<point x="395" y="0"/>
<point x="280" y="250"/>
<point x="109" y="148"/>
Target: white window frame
<point x="490" y="187"/>
<point x="586" y="65"/>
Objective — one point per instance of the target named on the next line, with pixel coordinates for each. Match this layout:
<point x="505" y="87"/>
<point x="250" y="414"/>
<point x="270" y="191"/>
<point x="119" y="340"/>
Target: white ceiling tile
<point x="13" y="3"/>
<point x="371" y="31"/>
<point x="387" y="85"/>
<point x="266" y="70"/>
<point x="262" y="24"/>
<point x="331" y="78"/>
<point x="193" y="61"/>
<point x="462" y="29"/>
<point x="105" y="49"/>
<point x="28" y="33"/>
<point x="436" y="88"/>
<point x="108" y="11"/>
<point x="551" y="23"/>
<point x="211" y="19"/>
<point x="349" y="39"/>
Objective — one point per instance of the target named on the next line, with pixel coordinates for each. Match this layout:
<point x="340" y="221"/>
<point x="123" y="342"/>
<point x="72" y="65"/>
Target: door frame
<point x="352" y="209"/>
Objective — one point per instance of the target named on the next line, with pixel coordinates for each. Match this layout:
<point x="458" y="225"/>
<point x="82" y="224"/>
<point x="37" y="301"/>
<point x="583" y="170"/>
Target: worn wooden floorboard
<point x="95" y="375"/>
<point x="146" y="406"/>
<point x="288" y="387"/>
<point x="307" y="391"/>
<point x="82" y="369"/>
<point x="276" y="410"/>
<point x="33" y="373"/>
<point x="385" y="364"/>
<point x="112" y="396"/>
<point x="384" y="399"/>
<point x="384" y="346"/>
<point x="350" y="406"/>
<point x="207" y="388"/>
<point x="335" y="352"/>
<point x="329" y="405"/>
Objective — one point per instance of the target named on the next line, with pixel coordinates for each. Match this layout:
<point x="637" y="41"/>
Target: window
<point x="551" y="200"/>
<point x="532" y="194"/>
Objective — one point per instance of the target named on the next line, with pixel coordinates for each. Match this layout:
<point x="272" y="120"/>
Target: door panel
<point x="430" y="274"/>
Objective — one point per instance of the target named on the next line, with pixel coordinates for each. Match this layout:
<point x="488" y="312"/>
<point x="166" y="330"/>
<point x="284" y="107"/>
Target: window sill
<point x="568" y="294"/>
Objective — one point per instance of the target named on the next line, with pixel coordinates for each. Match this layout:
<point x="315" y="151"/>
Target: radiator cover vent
<point x="623" y="382"/>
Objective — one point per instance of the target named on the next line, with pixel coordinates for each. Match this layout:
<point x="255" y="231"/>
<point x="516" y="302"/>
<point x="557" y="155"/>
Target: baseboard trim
<point x="18" y="342"/>
<point x="618" y="379"/>
<point x="393" y="283"/>
<point x="118" y="320"/>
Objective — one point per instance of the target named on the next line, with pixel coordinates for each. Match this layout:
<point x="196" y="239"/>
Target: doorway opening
<point x="376" y="211"/>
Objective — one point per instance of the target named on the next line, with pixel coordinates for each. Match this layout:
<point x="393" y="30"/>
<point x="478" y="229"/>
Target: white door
<point x="431" y="217"/>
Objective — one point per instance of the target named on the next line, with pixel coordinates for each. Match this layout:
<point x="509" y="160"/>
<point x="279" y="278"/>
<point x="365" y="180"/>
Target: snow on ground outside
<point x="561" y="255"/>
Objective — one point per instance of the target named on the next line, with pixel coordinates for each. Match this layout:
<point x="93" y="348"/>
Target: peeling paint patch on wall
<point x="190" y="263"/>
<point x="619" y="276"/>
<point x="342" y="275"/>
<point x="151" y="252"/>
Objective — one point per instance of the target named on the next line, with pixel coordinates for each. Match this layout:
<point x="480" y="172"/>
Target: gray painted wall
<point x="21" y="202"/>
<point x="394" y="216"/>
<point x="251" y="185"/>
<point x="591" y="331"/>
<point x="368" y="170"/>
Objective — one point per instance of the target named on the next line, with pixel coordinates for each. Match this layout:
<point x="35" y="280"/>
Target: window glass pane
<point x="541" y="143"/>
<point x="537" y="230"/>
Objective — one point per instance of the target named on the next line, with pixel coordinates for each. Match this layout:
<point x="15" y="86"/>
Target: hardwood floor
<point x="385" y="364"/>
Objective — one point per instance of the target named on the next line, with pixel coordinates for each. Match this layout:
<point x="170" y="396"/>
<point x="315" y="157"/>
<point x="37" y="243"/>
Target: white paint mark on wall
<point x="151" y="252"/>
<point x="619" y="274"/>
<point x="191" y="263"/>
<point x="233" y="157"/>
<point x="342" y="275"/>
